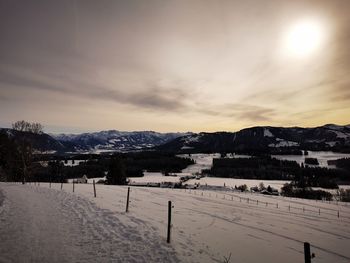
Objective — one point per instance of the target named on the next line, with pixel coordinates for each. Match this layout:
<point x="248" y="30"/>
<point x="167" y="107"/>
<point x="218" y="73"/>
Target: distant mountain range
<point x="113" y="140"/>
<point x="255" y="139"/>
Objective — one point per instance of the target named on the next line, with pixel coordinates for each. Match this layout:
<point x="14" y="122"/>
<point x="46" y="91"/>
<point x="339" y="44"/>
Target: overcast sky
<point x="164" y="65"/>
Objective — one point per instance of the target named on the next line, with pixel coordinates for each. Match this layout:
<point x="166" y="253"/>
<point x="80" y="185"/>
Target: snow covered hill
<point x="208" y="226"/>
<point x="265" y="139"/>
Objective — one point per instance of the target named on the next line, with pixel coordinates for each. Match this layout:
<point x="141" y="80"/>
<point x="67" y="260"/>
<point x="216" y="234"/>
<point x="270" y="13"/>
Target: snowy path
<point x="45" y="225"/>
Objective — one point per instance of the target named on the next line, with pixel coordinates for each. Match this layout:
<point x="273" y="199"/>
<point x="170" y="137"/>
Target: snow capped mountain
<point x="117" y="140"/>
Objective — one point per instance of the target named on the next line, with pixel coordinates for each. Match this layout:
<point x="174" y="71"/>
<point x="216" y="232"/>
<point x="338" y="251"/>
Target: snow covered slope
<point x="207" y="226"/>
<point x="265" y="139"/>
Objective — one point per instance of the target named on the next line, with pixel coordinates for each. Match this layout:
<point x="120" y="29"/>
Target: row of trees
<point x="134" y="164"/>
<point x="57" y="172"/>
<point x="268" y="168"/>
<point x="291" y="190"/>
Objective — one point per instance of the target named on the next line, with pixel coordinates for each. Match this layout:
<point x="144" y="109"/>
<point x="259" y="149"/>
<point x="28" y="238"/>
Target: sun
<point x="304" y="38"/>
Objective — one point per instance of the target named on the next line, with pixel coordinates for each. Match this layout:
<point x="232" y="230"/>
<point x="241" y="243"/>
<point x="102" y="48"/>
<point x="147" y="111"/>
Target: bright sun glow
<point x="304" y="38"/>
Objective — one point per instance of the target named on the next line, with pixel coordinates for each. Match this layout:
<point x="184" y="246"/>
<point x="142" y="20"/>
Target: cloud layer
<point x="170" y="65"/>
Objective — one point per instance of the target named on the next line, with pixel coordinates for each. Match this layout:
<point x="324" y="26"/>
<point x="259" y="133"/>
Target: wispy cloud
<point x="146" y="98"/>
<point x="238" y="111"/>
<point x="149" y="95"/>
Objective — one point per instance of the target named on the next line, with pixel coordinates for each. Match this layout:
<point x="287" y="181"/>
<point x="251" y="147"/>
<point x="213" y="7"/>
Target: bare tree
<point x="37" y="128"/>
<point x="24" y="145"/>
<point x="227" y="259"/>
<point x="26" y="152"/>
<point x="25" y="126"/>
<point x="20" y="125"/>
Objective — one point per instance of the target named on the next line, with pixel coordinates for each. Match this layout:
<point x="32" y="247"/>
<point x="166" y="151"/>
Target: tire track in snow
<point x="271" y="232"/>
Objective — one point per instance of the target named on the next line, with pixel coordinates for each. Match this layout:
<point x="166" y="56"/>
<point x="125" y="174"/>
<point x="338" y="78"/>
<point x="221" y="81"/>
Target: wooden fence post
<point x="127" y="201"/>
<point x="307" y="254"/>
<point x="169" y="222"/>
<point x="93" y="182"/>
<point x="73" y="186"/>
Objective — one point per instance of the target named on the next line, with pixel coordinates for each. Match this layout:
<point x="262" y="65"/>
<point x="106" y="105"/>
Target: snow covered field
<point x="216" y="181"/>
<point x="203" y="161"/>
<point x="210" y="181"/>
<point x="207" y="226"/>
<point x="150" y="177"/>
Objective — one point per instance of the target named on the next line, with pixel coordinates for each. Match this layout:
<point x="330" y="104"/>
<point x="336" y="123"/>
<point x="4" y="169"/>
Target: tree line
<point x="18" y="162"/>
<point x="267" y="168"/>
